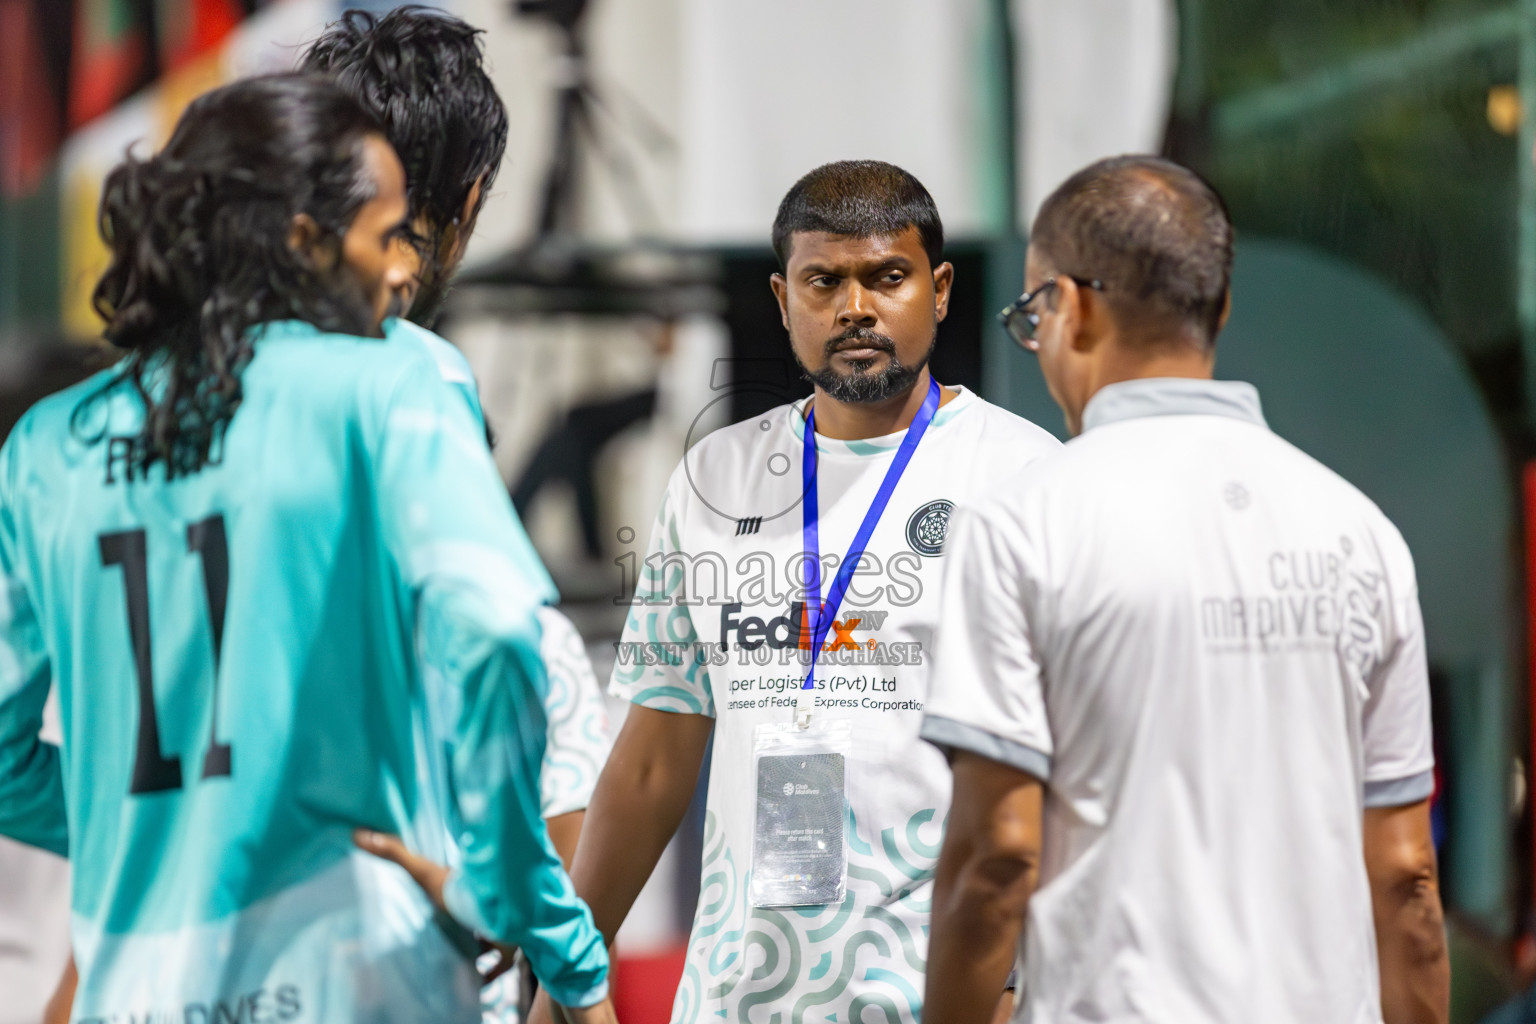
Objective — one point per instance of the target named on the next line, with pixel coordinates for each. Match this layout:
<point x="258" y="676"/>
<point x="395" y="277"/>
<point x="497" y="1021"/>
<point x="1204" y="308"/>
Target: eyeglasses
<point x="1020" y="323"/>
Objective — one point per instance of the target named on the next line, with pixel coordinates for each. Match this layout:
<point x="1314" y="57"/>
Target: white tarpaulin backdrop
<point x="756" y="94"/>
<point x="771" y="90"/>
<point x="1095" y="78"/>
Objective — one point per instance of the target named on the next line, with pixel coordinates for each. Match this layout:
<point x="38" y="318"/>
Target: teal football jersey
<point x="450" y="362"/>
<point x="577" y="739"/>
<point x="332" y="626"/>
<point x="455" y="371"/>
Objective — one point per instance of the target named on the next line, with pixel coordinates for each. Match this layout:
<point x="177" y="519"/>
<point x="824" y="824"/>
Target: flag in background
<point x="112" y="55"/>
<point x="30" y="106"/>
<point x="189" y="29"/>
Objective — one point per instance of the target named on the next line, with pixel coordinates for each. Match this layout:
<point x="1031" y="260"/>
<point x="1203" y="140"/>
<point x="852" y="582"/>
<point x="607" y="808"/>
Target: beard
<point x="862" y="383"/>
<point x="431" y="297"/>
<point x="342" y="303"/>
<point x="440" y="262"/>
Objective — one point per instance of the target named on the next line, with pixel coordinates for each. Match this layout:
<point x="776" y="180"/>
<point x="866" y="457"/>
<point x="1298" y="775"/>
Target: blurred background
<point x="1376" y="154"/>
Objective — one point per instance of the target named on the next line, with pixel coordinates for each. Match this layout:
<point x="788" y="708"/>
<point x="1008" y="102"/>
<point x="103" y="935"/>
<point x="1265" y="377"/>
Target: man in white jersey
<point x="816" y="880"/>
<point x="1181" y="675"/>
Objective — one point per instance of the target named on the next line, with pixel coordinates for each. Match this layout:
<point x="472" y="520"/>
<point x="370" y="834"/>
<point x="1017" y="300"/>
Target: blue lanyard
<point x="819" y="616"/>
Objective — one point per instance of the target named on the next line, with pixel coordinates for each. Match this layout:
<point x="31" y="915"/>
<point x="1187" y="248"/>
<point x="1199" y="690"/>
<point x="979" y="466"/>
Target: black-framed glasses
<point x="1020" y="322"/>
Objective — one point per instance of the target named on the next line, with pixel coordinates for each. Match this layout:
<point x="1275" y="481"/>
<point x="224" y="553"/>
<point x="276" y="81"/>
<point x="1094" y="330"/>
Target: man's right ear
<point x="781" y="292"/>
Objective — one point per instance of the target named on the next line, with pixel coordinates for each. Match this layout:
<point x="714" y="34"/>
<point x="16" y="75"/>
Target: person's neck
<point x="1179" y="359"/>
<point x="859" y="421"/>
<point x="1120" y="364"/>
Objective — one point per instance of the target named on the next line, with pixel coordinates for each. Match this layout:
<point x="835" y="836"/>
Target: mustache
<point x="864" y="337"/>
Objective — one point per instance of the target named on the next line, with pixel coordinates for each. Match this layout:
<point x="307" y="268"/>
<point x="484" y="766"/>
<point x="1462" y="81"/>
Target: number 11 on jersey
<point x="128" y="549"/>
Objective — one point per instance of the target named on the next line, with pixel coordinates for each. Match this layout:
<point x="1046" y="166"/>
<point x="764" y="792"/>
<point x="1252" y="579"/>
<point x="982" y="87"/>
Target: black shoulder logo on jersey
<point x="749" y="525"/>
<point x="929" y="526"/>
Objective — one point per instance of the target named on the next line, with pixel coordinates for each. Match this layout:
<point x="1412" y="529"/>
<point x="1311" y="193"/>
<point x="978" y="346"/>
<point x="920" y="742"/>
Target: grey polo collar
<point x="1173" y="396"/>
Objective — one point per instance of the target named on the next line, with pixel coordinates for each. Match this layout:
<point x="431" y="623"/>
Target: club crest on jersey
<point x="928" y="527"/>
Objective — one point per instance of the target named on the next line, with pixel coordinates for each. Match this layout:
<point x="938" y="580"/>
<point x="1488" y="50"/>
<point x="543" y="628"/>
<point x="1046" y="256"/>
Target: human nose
<point x="858" y="307"/>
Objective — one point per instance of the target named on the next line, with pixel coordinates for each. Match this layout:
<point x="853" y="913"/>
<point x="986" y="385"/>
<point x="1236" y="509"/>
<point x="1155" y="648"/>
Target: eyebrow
<point x="889" y="263"/>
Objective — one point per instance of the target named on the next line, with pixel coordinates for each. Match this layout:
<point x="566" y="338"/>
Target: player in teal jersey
<point x="247" y="556"/>
<point x="420" y="72"/>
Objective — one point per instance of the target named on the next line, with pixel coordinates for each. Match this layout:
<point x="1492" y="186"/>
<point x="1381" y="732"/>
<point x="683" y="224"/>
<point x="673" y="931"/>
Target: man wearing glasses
<point x="1181" y="675"/>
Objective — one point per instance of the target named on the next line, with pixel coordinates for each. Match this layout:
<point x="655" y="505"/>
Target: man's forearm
<point x="1415" y="964"/>
<point x="627" y="827"/>
<point x="1410" y="925"/>
<point x="986" y="872"/>
<point x="640" y="800"/>
<point x="977" y="914"/>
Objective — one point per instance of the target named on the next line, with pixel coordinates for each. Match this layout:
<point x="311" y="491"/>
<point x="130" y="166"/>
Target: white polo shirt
<point x="723" y="566"/>
<point x="1209" y="646"/>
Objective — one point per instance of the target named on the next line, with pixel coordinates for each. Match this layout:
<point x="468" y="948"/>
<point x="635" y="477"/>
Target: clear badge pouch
<point x="798" y="855"/>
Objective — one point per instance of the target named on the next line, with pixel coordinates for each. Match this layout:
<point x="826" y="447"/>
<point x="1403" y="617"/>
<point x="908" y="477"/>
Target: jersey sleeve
<point x="985" y="687"/>
<point x="1395" y="725"/>
<point x="577" y="743"/>
<point x="458" y="376"/>
<point x="451" y="364"/>
<point x="448" y="525"/>
<point x="658" y="662"/>
<point x="454" y="369"/>
<point x="32" y="808"/>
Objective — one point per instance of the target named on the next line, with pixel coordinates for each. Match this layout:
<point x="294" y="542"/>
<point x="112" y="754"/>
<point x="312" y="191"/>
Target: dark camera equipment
<point x="565" y="13"/>
<point x="577" y="102"/>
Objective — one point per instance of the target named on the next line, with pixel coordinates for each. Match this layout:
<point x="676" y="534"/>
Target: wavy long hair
<point x="421" y="72"/>
<point x="200" y="254"/>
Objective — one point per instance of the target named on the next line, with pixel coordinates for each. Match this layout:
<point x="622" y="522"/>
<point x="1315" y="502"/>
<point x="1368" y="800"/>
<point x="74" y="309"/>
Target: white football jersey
<point x="1209" y="646"/>
<point x="577" y="735"/>
<point x="715" y="630"/>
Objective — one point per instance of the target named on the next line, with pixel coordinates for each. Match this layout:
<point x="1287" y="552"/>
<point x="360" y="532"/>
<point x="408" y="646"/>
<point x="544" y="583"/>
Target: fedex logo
<point x="791" y="629"/>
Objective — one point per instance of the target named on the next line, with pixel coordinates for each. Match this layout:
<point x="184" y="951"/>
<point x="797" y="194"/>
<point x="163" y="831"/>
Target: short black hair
<point x="420" y="72"/>
<point x="859" y="199"/>
<point x="1155" y="233"/>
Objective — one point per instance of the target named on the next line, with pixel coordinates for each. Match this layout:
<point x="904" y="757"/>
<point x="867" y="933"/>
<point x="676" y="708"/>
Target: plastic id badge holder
<point x="798" y="856"/>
